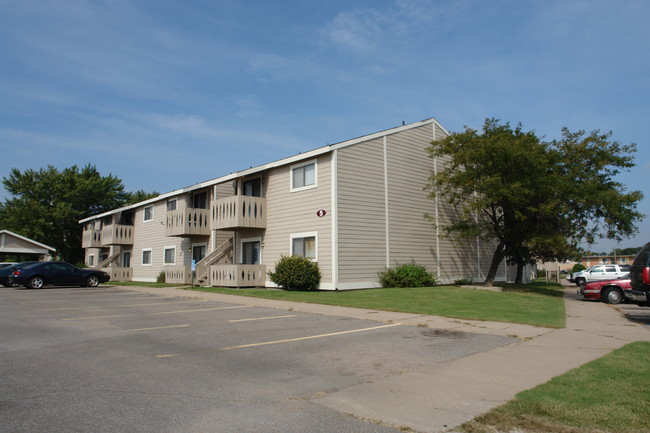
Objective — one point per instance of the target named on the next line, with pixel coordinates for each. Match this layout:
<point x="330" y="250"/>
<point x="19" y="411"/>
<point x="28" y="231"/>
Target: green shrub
<point x="578" y="267"/>
<point x="161" y="277"/>
<point x="407" y="275"/>
<point x="296" y="273"/>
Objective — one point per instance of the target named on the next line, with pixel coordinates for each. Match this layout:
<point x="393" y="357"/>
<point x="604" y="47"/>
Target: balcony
<point x="239" y="212"/>
<point x="92" y="239"/>
<point x="188" y="222"/>
<point x="178" y="274"/>
<point x="237" y="275"/>
<point x="117" y="234"/>
<point x="119" y="274"/>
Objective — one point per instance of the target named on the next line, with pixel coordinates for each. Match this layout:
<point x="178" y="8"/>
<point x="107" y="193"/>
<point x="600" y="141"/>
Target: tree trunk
<point x="497" y="258"/>
<point x="520" y="271"/>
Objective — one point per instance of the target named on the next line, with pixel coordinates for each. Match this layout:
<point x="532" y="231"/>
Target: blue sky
<point x="164" y="94"/>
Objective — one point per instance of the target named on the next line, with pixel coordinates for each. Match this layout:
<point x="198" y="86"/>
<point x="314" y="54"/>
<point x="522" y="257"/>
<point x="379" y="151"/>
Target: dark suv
<point x="640" y="278"/>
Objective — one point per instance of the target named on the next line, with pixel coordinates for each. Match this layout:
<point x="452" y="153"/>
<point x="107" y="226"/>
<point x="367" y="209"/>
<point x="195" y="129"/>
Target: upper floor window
<point x="303" y="176"/>
<point x="148" y="213"/>
<point x="253" y="187"/>
<point x="171" y="204"/>
<point x="200" y="200"/>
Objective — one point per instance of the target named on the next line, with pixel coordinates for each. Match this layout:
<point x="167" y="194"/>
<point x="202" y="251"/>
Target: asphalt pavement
<point x="439" y="397"/>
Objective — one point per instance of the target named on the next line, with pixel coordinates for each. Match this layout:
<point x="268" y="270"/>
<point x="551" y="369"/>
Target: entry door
<point x="251" y="253"/>
<point x="198" y="253"/>
<point x="126" y="259"/>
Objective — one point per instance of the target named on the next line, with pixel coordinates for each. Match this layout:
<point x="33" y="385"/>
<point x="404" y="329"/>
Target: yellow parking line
<point x="262" y="318"/>
<point x="243" y="346"/>
<point x="157" y="327"/>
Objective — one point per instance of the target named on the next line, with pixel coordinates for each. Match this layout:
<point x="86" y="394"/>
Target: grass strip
<point x="610" y="394"/>
<point x="537" y="304"/>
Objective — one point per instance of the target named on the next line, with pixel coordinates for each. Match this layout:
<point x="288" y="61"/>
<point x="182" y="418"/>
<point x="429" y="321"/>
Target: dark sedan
<point x="5" y="272"/>
<point x="57" y="274"/>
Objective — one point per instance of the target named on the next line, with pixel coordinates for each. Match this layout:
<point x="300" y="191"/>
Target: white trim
<point x="358" y="285"/>
<point x="305" y="187"/>
<point x="241" y="247"/>
<point x="144" y="213"/>
<point x="282" y="162"/>
<point x="314" y="235"/>
<point x="142" y="251"/>
<point x="386" y="219"/>
<point x="335" y="219"/>
<point x="169" y="247"/>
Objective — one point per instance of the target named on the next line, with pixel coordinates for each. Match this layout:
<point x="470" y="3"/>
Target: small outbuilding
<point x="14" y="246"/>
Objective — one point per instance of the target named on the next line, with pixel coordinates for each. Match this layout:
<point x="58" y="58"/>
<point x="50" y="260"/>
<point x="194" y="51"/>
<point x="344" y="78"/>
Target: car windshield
<point x="625" y="277"/>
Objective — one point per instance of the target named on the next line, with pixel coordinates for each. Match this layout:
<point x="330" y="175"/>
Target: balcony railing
<point x="239" y="212"/>
<point x="237" y="275"/>
<point x="117" y="234"/>
<point x="178" y="274"/>
<point x="119" y="274"/>
<point x="92" y="239"/>
<point x="188" y="222"/>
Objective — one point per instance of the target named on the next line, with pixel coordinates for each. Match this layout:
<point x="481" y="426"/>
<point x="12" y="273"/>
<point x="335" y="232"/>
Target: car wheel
<point x="92" y="281"/>
<point x="579" y="281"/>
<point x="613" y="296"/>
<point x="35" y="283"/>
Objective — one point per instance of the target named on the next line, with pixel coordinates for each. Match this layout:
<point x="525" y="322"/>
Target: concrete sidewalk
<point x="439" y="398"/>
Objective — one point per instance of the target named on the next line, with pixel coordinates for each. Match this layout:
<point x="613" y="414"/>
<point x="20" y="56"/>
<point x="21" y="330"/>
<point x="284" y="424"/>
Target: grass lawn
<point x="537" y="304"/>
<point x="610" y="394"/>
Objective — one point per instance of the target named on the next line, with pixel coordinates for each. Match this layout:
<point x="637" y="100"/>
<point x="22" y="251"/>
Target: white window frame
<point x="303" y="164"/>
<point x="165" y="249"/>
<point x="241" y="248"/>
<point x="169" y="202"/>
<point x="144" y="213"/>
<point x="150" y="250"/>
<point x="305" y="235"/>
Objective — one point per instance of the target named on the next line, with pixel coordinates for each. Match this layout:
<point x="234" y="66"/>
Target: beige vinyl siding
<point x="295" y="212"/>
<point x="361" y="212"/>
<point x="151" y="234"/>
<point x="412" y="236"/>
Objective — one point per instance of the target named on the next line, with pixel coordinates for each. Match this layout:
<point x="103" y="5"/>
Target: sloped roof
<point x="21" y="244"/>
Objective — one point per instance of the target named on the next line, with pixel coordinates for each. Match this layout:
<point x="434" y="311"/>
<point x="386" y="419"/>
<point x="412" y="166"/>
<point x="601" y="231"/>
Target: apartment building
<point x="355" y="207"/>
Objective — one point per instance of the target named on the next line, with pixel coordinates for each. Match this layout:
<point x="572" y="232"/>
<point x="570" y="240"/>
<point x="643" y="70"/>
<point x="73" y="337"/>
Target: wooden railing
<point x="119" y="274"/>
<point x="117" y="234"/>
<point x="108" y="261"/>
<point x="216" y="256"/>
<point x="237" y="275"/>
<point x="92" y="239"/>
<point x="239" y="211"/>
<point x="178" y="274"/>
<point x="188" y="222"/>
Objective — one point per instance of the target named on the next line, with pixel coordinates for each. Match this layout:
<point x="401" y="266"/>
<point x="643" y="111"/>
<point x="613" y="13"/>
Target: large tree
<point x="533" y="198"/>
<point x="47" y="204"/>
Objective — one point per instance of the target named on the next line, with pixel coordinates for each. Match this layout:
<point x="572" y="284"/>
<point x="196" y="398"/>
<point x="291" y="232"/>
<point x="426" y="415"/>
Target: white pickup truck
<point x="599" y="273"/>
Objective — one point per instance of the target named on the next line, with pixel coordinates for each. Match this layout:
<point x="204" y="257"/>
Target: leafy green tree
<point x="533" y="199"/>
<point x="139" y="195"/>
<point x="47" y="204"/>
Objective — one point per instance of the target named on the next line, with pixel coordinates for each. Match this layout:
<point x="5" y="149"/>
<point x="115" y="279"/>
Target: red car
<point x="611" y="291"/>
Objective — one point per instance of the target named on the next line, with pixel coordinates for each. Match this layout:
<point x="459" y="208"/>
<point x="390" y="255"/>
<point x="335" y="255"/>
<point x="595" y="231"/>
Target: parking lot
<point x="111" y="359"/>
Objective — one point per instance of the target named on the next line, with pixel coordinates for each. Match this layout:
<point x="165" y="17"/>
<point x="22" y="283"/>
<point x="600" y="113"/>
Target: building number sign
<point x="321" y="212"/>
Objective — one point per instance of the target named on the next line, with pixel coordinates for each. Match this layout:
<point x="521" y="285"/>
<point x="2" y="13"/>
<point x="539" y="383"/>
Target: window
<point x="253" y="188"/>
<point x="171" y="204"/>
<point x="200" y="200"/>
<point x="91" y="260"/>
<point x="170" y="256"/>
<point x="304" y="244"/>
<point x="198" y="253"/>
<point x="303" y="176"/>
<point x="250" y="251"/>
<point x="126" y="259"/>
<point x="148" y="213"/>
<point x="146" y="257"/>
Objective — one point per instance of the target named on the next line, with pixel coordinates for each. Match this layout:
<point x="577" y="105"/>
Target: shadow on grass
<point x="539" y="288"/>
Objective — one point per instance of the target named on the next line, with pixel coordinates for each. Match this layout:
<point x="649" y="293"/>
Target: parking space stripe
<point x="261" y="318"/>
<point x="120" y="306"/>
<point x="157" y="327"/>
<point x="159" y="313"/>
<point x="289" y="340"/>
